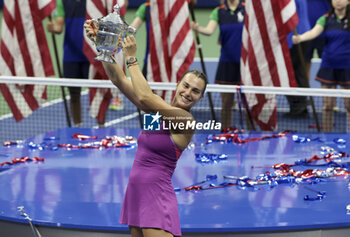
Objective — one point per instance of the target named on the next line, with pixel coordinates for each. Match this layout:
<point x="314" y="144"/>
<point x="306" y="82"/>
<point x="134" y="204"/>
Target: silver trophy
<point x="111" y="30"/>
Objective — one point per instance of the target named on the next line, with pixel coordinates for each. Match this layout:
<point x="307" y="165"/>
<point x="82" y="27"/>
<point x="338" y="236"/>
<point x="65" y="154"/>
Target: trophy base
<point x="106" y="56"/>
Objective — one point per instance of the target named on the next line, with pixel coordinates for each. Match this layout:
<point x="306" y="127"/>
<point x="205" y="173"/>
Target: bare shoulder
<point x="182" y="128"/>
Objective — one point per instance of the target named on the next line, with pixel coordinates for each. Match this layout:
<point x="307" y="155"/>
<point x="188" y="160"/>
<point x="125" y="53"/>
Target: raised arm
<point x="118" y="78"/>
<point x="139" y="92"/>
<point x="150" y="101"/>
<point x="114" y="71"/>
<point x="308" y="35"/>
<point x="154" y="103"/>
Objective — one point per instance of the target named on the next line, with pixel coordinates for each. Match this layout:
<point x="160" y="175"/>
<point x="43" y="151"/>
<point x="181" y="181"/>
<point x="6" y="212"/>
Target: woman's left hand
<point x="91" y="30"/>
<point x="129" y="46"/>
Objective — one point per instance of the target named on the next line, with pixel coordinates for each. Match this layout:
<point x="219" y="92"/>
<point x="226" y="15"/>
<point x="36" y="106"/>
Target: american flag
<point x="265" y="58"/>
<point x="172" y="47"/>
<point x="24" y="52"/>
<point x="100" y="97"/>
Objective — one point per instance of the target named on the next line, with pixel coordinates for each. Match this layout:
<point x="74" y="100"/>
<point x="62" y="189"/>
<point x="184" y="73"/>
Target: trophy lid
<point x="114" y="17"/>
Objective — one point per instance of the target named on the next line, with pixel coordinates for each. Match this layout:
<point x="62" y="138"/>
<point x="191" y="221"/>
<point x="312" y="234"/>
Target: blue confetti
<point x="339" y="141"/>
<point x="206" y="158"/>
<point x="320" y="195"/>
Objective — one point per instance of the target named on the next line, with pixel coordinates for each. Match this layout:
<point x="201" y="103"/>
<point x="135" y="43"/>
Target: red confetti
<point x="234" y="137"/>
<point x="81" y="137"/>
<point x="24" y="159"/>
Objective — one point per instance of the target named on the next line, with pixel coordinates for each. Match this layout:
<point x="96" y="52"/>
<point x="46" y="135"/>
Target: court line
<point x="46" y="104"/>
<point x="120" y="120"/>
<point x="210" y="60"/>
<point x="60" y="100"/>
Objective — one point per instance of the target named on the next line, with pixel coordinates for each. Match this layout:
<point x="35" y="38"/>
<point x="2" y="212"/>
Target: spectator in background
<point x="335" y="67"/>
<point x="71" y="15"/>
<point x="316" y="9"/>
<point x="142" y="15"/>
<point x="230" y="18"/>
<point x="298" y="104"/>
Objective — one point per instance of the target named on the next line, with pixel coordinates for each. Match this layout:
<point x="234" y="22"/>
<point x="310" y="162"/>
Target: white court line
<point x="56" y="101"/>
<point x="210" y="60"/>
<point x="119" y="120"/>
<point x="6" y="116"/>
<point x="47" y="104"/>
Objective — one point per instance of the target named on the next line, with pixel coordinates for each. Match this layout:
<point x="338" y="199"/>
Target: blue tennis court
<point x="83" y="188"/>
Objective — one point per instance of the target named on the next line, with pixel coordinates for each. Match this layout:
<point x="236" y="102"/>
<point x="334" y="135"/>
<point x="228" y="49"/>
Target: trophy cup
<point x="111" y="29"/>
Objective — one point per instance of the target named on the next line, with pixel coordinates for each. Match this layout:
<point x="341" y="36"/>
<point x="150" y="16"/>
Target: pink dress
<point x="150" y="200"/>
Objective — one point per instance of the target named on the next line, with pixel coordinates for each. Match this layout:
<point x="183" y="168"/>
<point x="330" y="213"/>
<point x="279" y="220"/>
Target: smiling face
<point x="188" y="91"/>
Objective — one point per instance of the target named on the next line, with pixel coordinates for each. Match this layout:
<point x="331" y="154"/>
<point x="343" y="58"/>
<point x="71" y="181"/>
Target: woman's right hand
<point x="129" y="46"/>
<point x="91" y="30"/>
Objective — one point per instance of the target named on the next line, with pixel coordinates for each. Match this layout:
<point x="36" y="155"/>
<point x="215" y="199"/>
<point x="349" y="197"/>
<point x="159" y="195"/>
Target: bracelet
<point x="131" y="64"/>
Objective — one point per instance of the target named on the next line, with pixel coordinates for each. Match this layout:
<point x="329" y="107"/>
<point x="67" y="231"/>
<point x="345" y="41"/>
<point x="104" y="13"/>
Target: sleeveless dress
<point x="150" y="200"/>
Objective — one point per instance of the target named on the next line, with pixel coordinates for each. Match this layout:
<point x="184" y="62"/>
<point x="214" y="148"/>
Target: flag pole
<point x="60" y="76"/>
<point x="303" y="64"/>
<point x="201" y="58"/>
